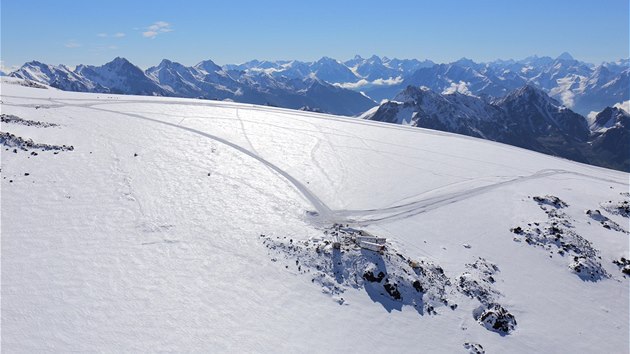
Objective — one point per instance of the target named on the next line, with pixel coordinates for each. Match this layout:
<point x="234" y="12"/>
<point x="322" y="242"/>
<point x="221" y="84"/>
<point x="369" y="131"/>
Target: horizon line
<point x="73" y="67"/>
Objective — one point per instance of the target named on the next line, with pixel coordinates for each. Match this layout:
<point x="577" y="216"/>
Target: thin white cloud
<point x="149" y="34"/>
<point x="461" y="87"/>
<point x="72" y="44"/>
<point x="388" y="82"/>
<point x="353" y="85"/>
<point x="157" y="28"/>
<point x="115" y="35"/>
<point x="364" y="82"/>
<point x="625" y="105"/>
<point x="7" y="69"/>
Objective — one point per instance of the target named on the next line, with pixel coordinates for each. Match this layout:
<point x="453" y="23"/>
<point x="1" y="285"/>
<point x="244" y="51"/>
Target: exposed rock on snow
<point x="95" y="246"/>
<point x="557" y="234"/>
<point x="623" y="264"/>
<point x="8" y="118"/>
<point x="10" y="140"/>
<point x="389" y="277"/>
<point x="477" y="281"/>
<point x="496" y="318"/>
<point x="604" y="221"/>
<point x="620" y="207"/>
<point x="588" y="268"/>
<point x="551" y="200"/>
<point x="474" y="348"/>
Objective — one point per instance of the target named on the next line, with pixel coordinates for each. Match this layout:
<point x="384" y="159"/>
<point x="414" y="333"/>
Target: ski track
<point x="326" y="215"/>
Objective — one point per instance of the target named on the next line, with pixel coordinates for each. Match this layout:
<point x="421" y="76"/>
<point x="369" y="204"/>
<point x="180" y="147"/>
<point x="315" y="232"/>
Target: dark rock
<point x="392" y="290"/>
<point x="416" y="285"/>
<point x="497" y="319"/>
<point x="474" y="348"/>
<point x="369" y="276"/>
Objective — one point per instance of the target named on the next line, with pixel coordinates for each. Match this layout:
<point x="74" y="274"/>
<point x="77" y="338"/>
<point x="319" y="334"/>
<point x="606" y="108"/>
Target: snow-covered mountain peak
<point x="208" y="66"/>
<point x="327" y="60"/>
<point x="610" y="117"/>
<point x="529" y="93"/>
<point x="465" y="62"/>
<point x="196" y="225"/>
<point x="375" y="59"/>
<point x="119" y="62"/>
<point x="414" y="94"/>
<point x="165" y="63"/>
<point x="565" y="56"/>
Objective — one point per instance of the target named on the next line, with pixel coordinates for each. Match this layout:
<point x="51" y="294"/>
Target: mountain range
<point x="205" y="80"/>
<point x="538" y="103"/>
<point x="581" y="86"/>
<point x="135" y="224"/>
<point x="526" y="117"/>
<point x="357" y="83"/>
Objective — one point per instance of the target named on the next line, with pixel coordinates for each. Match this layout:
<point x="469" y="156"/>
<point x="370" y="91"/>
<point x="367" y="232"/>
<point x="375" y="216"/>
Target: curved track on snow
<point x="324" y="214"/>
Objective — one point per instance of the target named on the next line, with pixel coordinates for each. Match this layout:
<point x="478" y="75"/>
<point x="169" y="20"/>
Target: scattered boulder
<point x="369" y="276"/>
<point x="551" y="200"/>
<point x="11" y="140"/>
<point x="604" y="221"/>
<point x="418" y="286"/>
<point x="474" y="348"/>
<point x="11" y="119"/>
<point x="392" y="290"/>
<point x="496" y="318"/>
<point x="623" y="264"/>
<point x="620" y="207"/>
<point x="588" y="269"/>
<point x="559" y="233"/>
<point x="389" y="277"/>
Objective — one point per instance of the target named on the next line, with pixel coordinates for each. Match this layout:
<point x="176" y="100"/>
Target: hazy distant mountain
<point x="332" y="71"/>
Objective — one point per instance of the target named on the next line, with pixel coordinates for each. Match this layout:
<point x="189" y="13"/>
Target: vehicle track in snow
<point x="402" y="211"/>
<point x="323" y="214"/>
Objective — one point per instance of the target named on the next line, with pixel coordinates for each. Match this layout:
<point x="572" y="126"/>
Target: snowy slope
<point x="189" y="225"/>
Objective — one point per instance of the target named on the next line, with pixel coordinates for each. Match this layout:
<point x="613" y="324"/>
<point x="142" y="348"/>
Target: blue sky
<point x="93" y="32"/>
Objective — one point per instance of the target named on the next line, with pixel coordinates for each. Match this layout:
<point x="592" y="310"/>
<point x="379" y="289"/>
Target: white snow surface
<point x="106" y="251"/>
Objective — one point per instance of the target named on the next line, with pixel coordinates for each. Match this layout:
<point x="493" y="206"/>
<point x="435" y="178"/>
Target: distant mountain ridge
<point x="526" y="117"/>
<point x="205" y="80"/>
<point x="581" y="86"/>
<point x="578" y="85"/>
